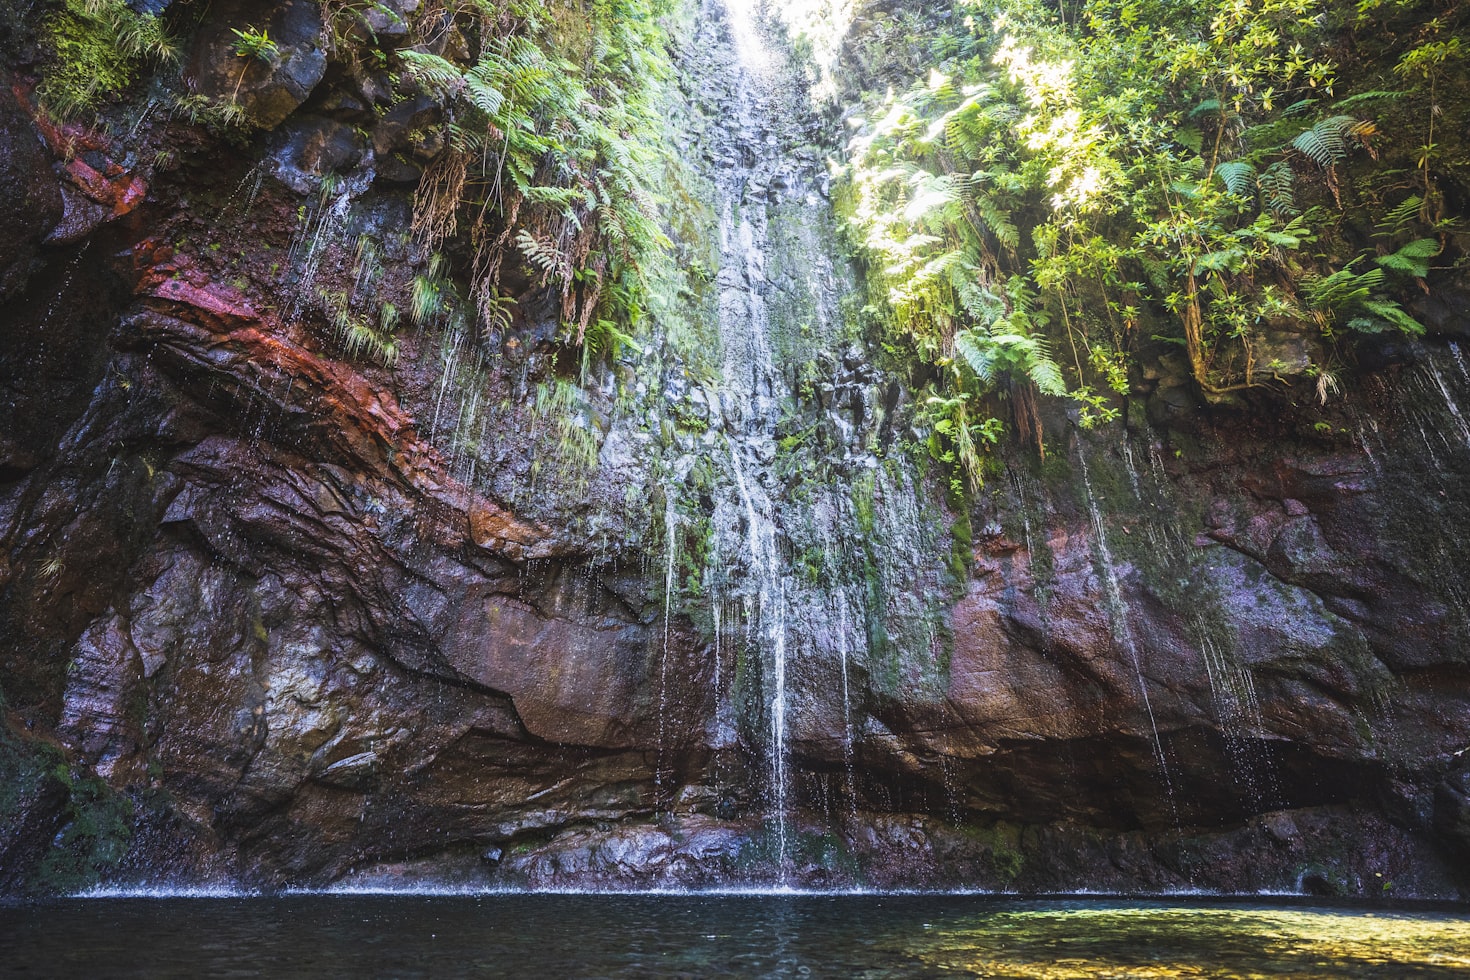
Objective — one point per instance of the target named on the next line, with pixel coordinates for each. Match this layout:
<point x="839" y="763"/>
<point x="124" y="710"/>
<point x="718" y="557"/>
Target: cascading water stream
<point x="321" y="229"/>
<point x="848" y="763"/>
<point x="807" y="578"/>
<point x="766" y="566"/>
<point x="749" y="375"/>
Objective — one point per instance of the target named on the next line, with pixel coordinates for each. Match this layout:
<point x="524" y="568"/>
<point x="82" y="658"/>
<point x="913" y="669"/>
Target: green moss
<point x="961" y="551"/>
<point x="96" y="820"/>
<point x="695" y="545"/>
<point x="1321" y="879"/>
<point x="98" y="48"/>
<point x="1001" y="842"/>
<point x="24" y="768"/>
<point x="94" y="838"/>
<point x="567" y="436"/>
<point x="863" y="506"/>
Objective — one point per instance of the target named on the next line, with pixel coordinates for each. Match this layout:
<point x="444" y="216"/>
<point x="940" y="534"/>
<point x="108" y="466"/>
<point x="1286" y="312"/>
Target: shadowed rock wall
<point x="270" y="613"/>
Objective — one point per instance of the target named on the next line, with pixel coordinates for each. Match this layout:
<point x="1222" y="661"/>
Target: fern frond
<point x="1394" y="314"/>
<point x="1341" y="288"/>
<point x="544" y="255"/>
<point x="1375" y="95"/>
<point x="979" y="353"/>
<point x="480" y="87"/>
<point x="1326" y="143"/>
<point x="1238" y="176"/>
<point x="1401" y="215"/>
<point x="429" y="69"/>
<point x="998" y="220"/>
<point x="979" y="302"/>
<point x="932" y="199"/>
<point x="1044" y="371"/>
<point x="1412" y="259"/>
<point x="1278" y="189"/>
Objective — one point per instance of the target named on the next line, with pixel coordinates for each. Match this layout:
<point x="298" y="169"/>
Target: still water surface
<point x="866" y="936"/>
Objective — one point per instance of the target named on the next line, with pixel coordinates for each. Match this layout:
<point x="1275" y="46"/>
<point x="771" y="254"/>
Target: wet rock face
<point x="285" y="614"/>
<point x="268" y="86"/>
<point x="32" y="199"/>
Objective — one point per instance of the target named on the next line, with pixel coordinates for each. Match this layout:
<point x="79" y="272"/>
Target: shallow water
<point x="718" y="936"/>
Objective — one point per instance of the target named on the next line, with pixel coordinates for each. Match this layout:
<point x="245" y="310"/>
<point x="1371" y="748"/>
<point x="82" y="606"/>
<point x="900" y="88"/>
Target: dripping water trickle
<point x="320" y="230"/>
<point x="847" y="747"/>
<point x="764" y="556"/>
<point x="1449" y="400"/>
<point x="1119" y="613"/>
<point x="671" y="529"/>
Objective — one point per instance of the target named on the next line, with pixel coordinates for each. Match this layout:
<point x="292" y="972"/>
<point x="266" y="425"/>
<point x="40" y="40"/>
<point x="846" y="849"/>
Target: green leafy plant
<point x="1411" y="259"/>
<point x="1329" y="141"/>
<point x="251" y="43"/>
<point x="1357" y="299"/>
<point x="554" y="160"/>
<point x="1141" y="173"/>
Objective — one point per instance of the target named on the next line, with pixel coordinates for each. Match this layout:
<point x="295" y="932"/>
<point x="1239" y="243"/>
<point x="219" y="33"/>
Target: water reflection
<point x="1052" y="943"/>
<point x="718" y="936"/>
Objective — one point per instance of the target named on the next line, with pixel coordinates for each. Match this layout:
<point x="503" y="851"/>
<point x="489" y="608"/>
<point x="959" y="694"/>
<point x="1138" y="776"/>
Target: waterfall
<point x="823" y="563"/>
<point x="848" y="763"/>
<point x="746" y="532"/>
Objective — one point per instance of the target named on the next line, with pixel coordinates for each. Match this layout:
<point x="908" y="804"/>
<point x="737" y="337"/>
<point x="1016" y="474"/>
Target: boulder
<point x="268" y="88"/>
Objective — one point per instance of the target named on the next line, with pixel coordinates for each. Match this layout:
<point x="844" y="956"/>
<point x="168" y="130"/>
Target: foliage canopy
<point x="1107" y="176"/>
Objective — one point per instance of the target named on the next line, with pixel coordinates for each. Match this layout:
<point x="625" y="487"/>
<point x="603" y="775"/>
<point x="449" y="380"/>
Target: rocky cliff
<point x="281" y="607"/>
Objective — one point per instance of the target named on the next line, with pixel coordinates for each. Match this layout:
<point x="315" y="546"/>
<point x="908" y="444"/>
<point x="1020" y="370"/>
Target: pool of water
<point x="539" y="935"/>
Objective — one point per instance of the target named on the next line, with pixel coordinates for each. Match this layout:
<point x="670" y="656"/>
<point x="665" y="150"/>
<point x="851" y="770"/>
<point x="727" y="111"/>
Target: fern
<point x="978" y="301"/>
<point x="1002" y="351"/>
<point x="979" y="353"/>
<point x="1190" y="138"/>
<point x="998" y="220"/>
<point x="1044" y="371"/>
<point x="427" y="300"/>
<point x="1401" y="216"/>
<point x="544" y="255"/>
<point x="1327" y="143"/>
<point x="1278" y="189"/>
<point x="1395" y="315"/>
<point x="1348" y="291"/>
<point x="439" y="74"/>
<point x="1341" y="288"/>
<point x="482" y="93"/>
<point x="1375" y="95"/>
<point x="355" y="334"/>
<point x="1238" y="176"/>
<point x="1221" y="260"/>
<point x="1412" y="259"/>
<point x="932" y="201"/>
